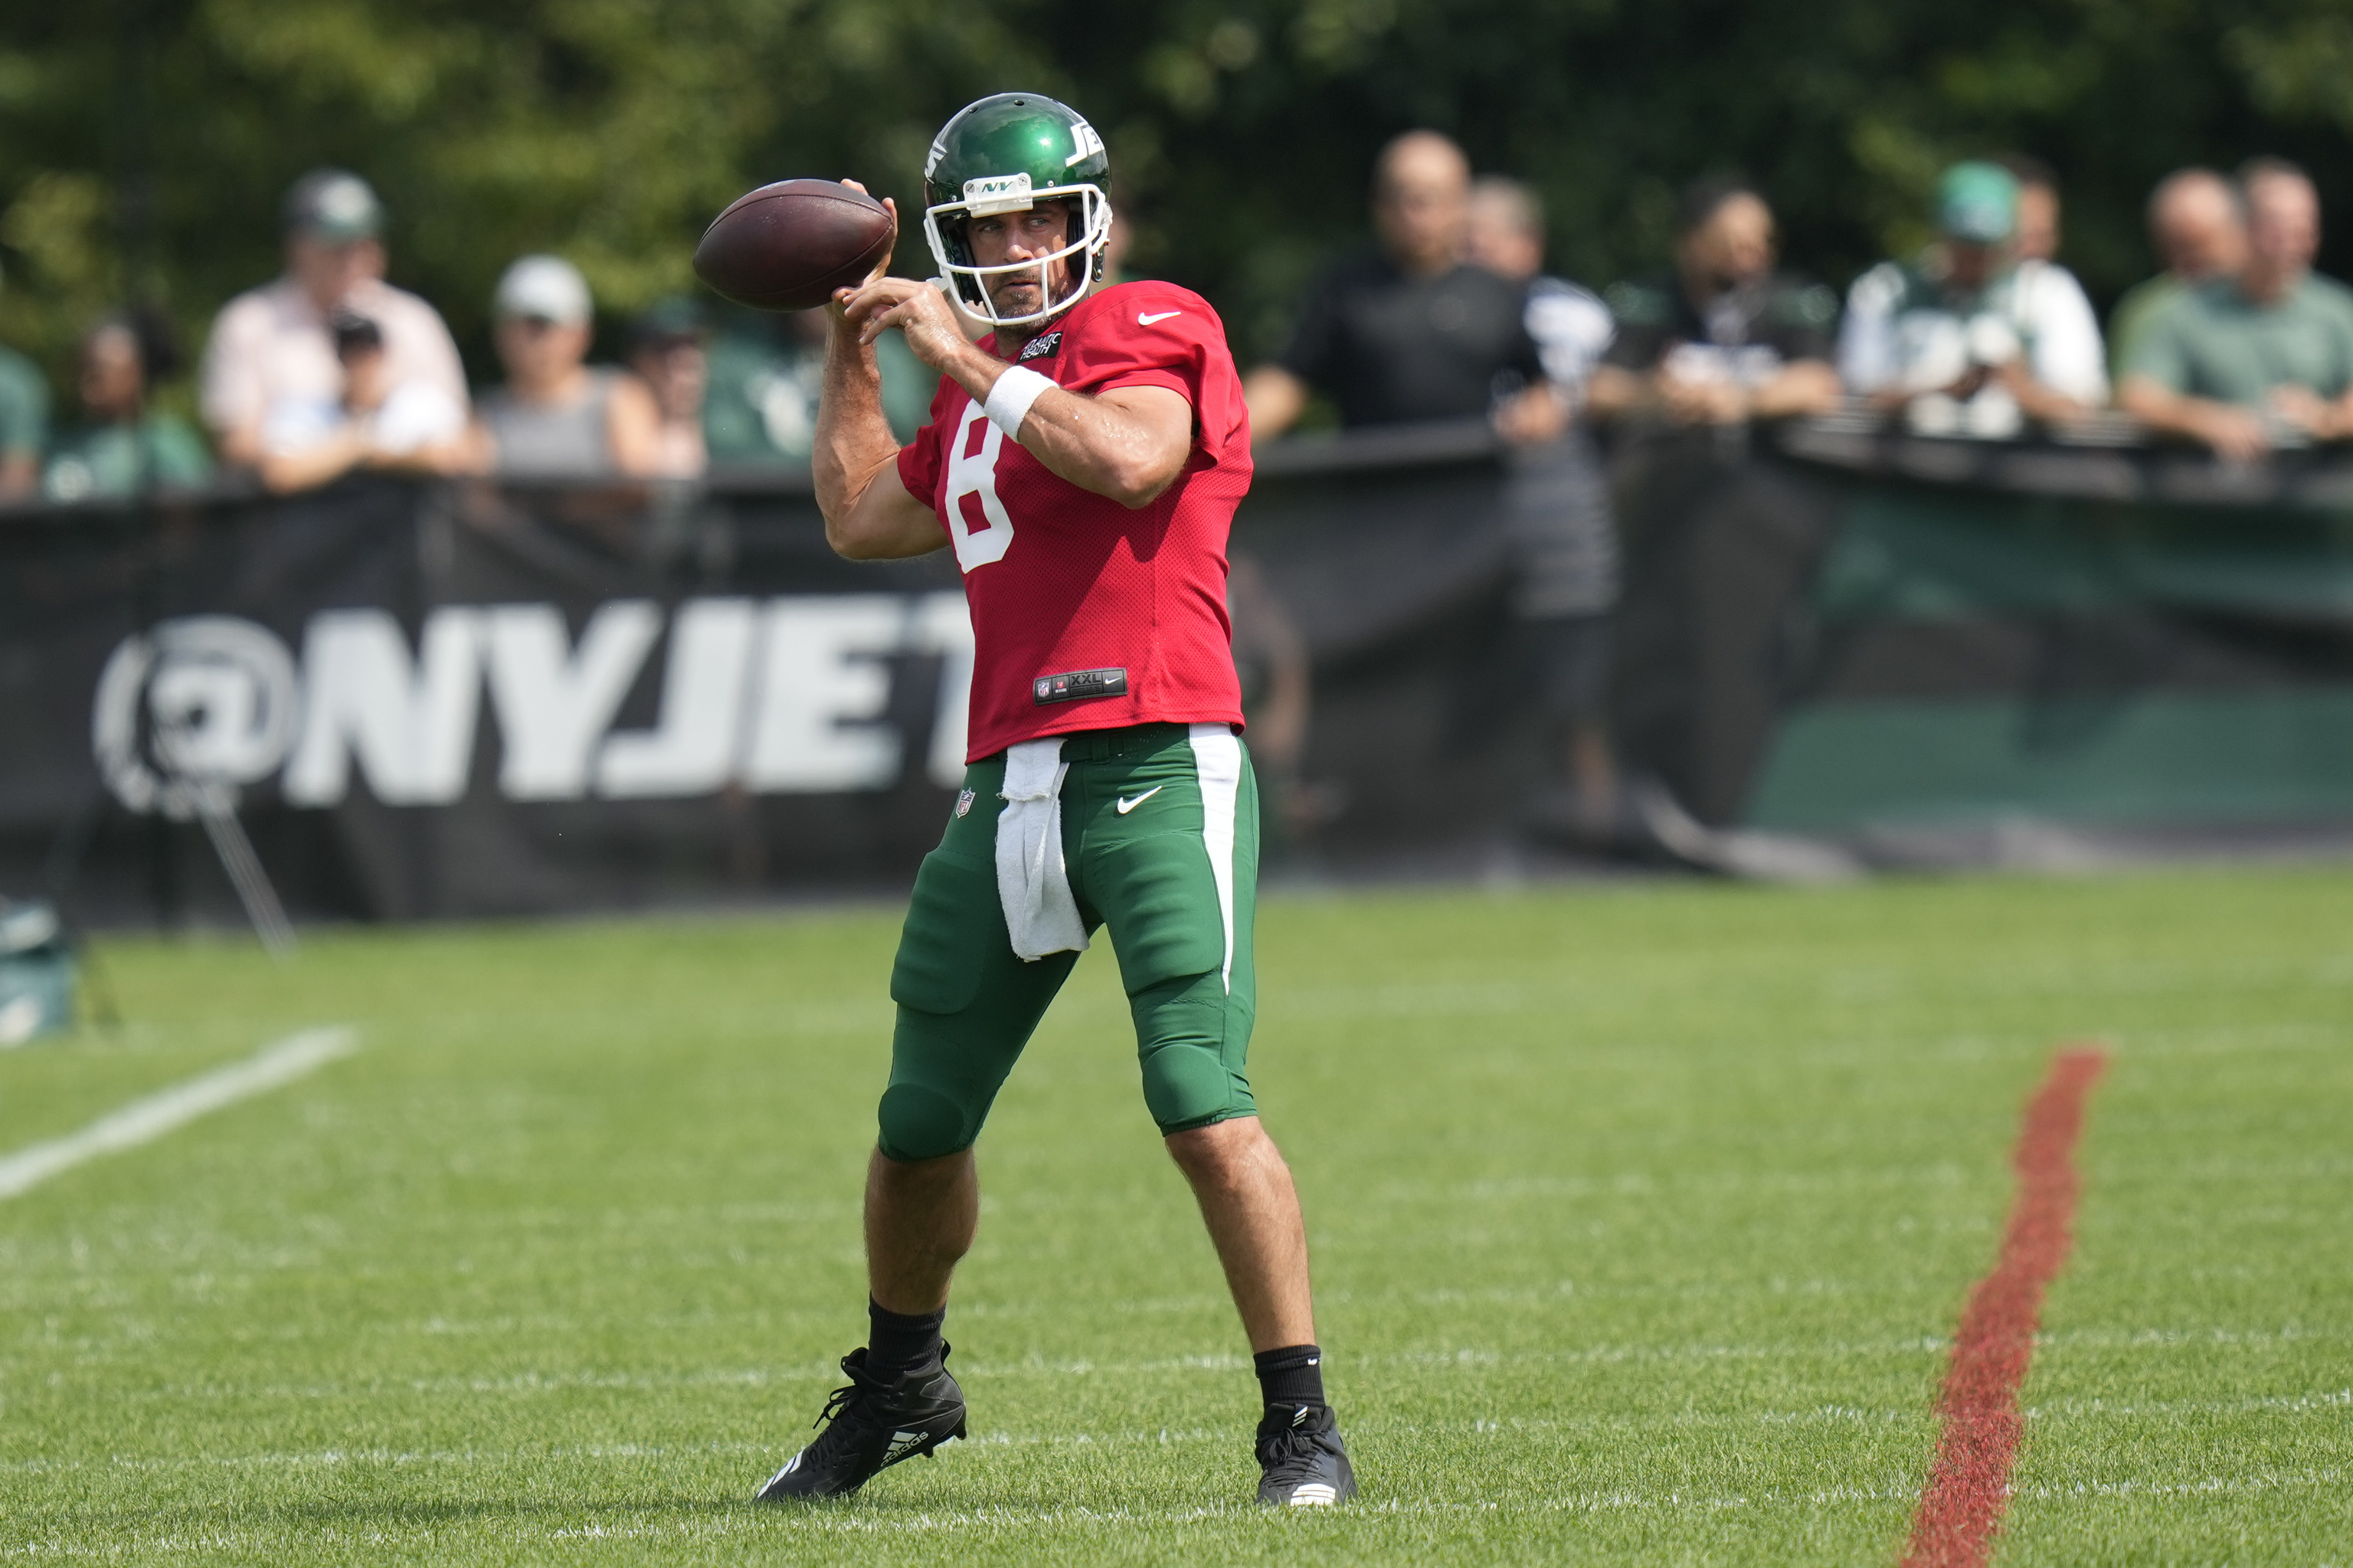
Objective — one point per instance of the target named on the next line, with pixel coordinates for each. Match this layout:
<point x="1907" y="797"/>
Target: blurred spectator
<point x="1565" y="544"/>
<point x="556" y="416"/>
<point x="272" y="347"/>
<point x="666" y="352"/>
<point x="1725" y="338"/>
<point x="121" y="447"/>
<point x="1277" y="686"/>
<point x="1570" y="326"/>
<point x="1414" y="331"/>
<point x="761" y="404"/>
<point x="2198" y="232"/>
<point x="2037" y="207"/>
<point x="24" y="425"/>
<point x="1971" y="341"/>
<point x="1121" y="239"/>
<point x="2245" y="364"/>
<point x="380" y="421"/>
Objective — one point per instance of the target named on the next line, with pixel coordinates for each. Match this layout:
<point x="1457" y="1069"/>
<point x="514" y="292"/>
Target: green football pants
<point x="1160" y="840"/>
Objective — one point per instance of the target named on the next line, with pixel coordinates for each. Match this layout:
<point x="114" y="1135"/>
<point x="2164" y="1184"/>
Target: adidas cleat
<point x="870" y="1426"/>
<point x="1305" y="1464"/>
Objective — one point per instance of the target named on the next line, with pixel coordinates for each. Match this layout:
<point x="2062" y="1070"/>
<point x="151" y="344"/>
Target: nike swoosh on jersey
<point x="1143" y="320"/>
<point x="1127" y="805"/>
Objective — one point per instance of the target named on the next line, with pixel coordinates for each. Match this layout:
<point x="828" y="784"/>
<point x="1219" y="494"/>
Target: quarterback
<point x="1083" y="463"/>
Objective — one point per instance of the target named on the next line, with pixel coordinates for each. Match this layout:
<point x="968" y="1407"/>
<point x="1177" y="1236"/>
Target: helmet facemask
<point x="1090" y="228"/>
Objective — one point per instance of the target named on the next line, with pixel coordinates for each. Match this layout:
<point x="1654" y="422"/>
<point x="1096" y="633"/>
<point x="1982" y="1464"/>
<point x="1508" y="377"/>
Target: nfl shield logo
<point x="964" y="803"/>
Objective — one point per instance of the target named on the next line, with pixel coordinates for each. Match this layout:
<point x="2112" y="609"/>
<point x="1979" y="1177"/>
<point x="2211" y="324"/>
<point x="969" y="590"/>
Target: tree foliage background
<point x="144" y="144"/>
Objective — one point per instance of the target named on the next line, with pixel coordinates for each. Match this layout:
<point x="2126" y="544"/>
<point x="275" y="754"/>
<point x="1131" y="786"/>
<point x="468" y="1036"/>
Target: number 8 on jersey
<point x="972" y="476"/>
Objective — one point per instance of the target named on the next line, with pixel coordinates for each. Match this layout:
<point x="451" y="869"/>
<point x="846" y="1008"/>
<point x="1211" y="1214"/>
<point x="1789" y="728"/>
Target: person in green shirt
<point x="759" y="406"/>
<point x="24" y="424"/>
<point x="2195" y="227"/>
<point x="2244" y="364"/>
<point x="123" y="448"/>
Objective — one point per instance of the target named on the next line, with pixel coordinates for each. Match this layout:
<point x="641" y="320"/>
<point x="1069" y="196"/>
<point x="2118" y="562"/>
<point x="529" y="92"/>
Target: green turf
<point x="1639" y="1218"/>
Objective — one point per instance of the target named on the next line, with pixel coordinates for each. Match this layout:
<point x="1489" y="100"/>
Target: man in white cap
<point x="557" y="416"/>
<point x="273" y="348"/>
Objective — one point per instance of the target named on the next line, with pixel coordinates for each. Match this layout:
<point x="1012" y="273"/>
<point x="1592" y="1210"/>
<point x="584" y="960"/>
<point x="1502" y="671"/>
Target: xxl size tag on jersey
<point x="1078" y="685"/>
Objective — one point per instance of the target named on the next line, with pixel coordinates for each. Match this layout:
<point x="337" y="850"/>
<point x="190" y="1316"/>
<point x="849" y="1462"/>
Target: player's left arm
<point x="1128" y="444"/>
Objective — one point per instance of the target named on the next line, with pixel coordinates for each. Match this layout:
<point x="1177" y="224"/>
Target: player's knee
<point x="1190" y="1083"/>
<point x="1192" y="1044"/>
<point x="1187" y="1087"/>
<point x="920" y="1123"/>
<point x="1217" y="1153"/>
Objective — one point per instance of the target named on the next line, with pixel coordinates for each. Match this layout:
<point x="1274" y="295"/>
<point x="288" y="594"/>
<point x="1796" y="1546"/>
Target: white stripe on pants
<point x="1218" y="761"/>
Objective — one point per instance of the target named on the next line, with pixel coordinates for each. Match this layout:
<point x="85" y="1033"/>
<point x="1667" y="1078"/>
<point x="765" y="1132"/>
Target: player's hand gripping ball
<point x="789" y="246"/>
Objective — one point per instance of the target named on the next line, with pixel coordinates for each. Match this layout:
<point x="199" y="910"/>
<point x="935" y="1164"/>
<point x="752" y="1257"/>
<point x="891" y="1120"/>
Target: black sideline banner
<point x="432" y="701"/>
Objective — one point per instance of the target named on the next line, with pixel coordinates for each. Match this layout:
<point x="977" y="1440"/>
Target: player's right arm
<point x="1127" y="443"/>
<point x="869" y="513"/>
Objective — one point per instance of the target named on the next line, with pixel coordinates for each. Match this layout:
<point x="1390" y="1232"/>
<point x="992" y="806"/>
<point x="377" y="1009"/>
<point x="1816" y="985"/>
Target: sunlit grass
<point x="1639" y="1218"/>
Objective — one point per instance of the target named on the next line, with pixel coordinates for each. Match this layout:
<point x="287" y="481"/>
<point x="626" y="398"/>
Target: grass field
<point x="1641" y="1220"/>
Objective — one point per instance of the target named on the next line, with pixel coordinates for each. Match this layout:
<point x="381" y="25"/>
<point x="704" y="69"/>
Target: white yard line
<point x="145" y="1120"/>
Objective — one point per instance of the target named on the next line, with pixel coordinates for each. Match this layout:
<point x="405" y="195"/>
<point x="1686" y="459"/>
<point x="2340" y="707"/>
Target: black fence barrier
<point x="2134" y="639"/>
<point x="452" y="700"/>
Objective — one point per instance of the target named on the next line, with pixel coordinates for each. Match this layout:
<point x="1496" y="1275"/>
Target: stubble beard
<point x="1019" y="293"/>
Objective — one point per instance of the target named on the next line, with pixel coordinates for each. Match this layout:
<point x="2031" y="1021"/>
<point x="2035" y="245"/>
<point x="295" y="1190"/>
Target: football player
<point x="1083" y="461"/>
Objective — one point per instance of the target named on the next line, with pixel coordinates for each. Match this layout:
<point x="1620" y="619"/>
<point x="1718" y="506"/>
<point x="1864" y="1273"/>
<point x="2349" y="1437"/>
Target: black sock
<point x="896" y="1342"/>
<point x="1290" y="1377"/>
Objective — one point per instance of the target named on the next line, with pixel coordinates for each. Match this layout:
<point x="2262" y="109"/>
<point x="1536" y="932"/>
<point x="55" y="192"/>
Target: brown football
<point x="789" y="246"/>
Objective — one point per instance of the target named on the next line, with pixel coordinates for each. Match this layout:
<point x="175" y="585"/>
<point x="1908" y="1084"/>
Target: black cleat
<point x="1305" y="1464"/>
<point x="870" y="1426"/>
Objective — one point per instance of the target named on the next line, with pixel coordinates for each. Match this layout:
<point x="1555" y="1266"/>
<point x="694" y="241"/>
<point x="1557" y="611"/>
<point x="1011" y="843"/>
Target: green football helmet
<point x="1006" y="154"/>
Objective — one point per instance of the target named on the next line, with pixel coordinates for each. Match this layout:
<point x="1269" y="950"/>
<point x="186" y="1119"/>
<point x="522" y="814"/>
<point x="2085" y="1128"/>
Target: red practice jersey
<point x="1086" y="615"/>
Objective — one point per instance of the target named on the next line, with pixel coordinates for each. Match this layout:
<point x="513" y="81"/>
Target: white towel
<point x="1031" y="881"/>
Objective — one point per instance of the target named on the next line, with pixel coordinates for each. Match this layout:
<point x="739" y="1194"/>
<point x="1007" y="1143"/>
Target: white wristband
<point x="1010" y="399"/>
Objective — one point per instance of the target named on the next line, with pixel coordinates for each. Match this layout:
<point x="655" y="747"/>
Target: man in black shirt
<point x="1412" y="332"/>
<point x="1714" y="545"/>
<point x="1724" y="338"/>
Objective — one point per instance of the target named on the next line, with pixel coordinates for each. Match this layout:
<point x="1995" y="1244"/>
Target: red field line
<point x="1968" y="1480"/>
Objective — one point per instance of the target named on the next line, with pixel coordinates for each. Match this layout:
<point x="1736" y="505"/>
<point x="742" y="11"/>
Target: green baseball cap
<point x="675" y="318"/>
<point x="335" y="205"/>
<point x="1977" y="202"/>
